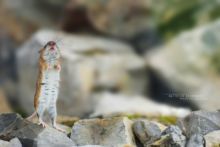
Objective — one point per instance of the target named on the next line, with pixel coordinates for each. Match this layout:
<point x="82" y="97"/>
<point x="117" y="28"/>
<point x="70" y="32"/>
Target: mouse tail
<point x="31" y="116"/>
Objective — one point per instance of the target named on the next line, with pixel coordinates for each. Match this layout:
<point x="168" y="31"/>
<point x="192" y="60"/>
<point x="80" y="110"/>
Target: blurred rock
<point x="4" y="143"/>
<point x="113" y="104"/>
<point x="29" y="134"/>
<point x="7" y="57"/>
<point x="4" y="105"/>
<point x="189" y="65"/>
<point x="106" y="132"/>
<point x="40" y="13"/>
<point x="177" y="15"/>
<point x="89" y="64"/>
<point x="146" y="132"/>
<point x="124" y="19"/>
<point x="196" y="140"/>
<point x="172" y="136"/>
<point x="15" y="142"/>
<point x="212" y="139"/>
<point x="200" y="122"/>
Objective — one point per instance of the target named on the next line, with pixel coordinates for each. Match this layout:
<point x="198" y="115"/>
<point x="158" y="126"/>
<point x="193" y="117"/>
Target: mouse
<point x="47" y="85"/>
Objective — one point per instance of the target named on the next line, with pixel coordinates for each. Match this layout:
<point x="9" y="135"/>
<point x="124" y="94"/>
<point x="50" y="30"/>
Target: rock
<point x="212" y="139"/>
<point x="106" y="132"/>
<point x="47" y="11"/>
<point x="123" y="104"/>
<point x="146" y="132"/>
<point x="172" y="136"/>
<point x="196" y="140"/>
<point x="200" y="122"/>
<point x="118" y="18"/>
<point x="189" y="65"/>
<point x="4" y="143"/>
<point x="177" y="12"/>
<point x="4" y="105"/>
<point x="85" y="69"/>
<point x="29" y="134"/>
<point x="15" y="142"/>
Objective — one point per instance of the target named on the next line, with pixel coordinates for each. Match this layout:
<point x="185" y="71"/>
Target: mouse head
<point x="50" y="52"/>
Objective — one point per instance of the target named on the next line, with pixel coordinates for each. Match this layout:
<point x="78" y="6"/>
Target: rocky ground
<point x="198" y="129"/>
<point x="128" y="77"/>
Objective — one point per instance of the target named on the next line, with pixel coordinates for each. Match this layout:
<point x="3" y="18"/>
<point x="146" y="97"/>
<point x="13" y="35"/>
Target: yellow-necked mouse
<point x="47" y="86"/>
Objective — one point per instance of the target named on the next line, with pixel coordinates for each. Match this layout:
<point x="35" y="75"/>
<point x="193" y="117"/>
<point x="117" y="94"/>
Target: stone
<point x="4" y="105"/>
<point x="212" y="139"/>
<point x="4" y="143"/>
<point x="124" y="104"/>
<point x="172" y="136"/>
<point x="107" y="132"/>
<point x="200" y="122"/>
<point x="189" y="65"/>
<point x="115" y="18"/>
<point x="177" y="12"/>
<point x="15" y="142"/>
<point x="12" y="125"/>
<point x="196" y="140"/>
<point x="85" y="69"/>
<point x="146" y="132"/>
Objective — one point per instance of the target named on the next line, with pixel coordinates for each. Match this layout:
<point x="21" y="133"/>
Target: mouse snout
<point x="51" y="43"/>
<point x="52" y="48"/>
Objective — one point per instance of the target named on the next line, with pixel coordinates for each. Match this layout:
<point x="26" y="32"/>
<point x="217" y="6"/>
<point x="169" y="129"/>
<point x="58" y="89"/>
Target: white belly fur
<point x="49" y="88"/>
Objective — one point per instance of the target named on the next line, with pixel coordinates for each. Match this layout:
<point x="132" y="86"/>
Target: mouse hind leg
<point x="52" y="109"/>
<point x="40" y="112"/>
<point x="53" y="115"/>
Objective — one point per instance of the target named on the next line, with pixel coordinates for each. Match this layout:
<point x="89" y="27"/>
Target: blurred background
<point x="118" y="56"/>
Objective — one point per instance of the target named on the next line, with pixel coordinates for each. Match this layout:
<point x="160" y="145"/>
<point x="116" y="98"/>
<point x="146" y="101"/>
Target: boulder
<point x="4" y="143"/>
<point x="196" y="140"/>
<point x="12" y="125"/>
<point x="4" y="105"/>
<point x="200" y="122"/>
<point x="172" y="136"/>
<point x="89" y="64"/>
<point x="212" y="139"/>
<point x="189" y="65"/>
<point x="116" y="18"/>
<point x="146" y="132"/>
<point x="107" y="132"/>
<point x="118" y="104"/>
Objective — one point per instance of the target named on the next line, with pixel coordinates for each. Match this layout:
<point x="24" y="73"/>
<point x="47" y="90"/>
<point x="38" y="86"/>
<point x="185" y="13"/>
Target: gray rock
<point x="146" y="132"/>
<point x="110" y="17"/>
<point x="85" y="69"/>
<point x="196" y="140"/>
<point x="4" y="143"/>
<point x="106" y="132"/>
<point x="212" y="139"/>
<point x="190" y="65"/>
<point x="29" y="134"/>
<point x="173" y="137"/>
<point x="200" y="122"/>
<point x="15" y="142"/>
<point x="124" y="104"/>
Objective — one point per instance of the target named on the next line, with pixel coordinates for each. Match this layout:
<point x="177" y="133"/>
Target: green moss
<point x="215" y="62"/>
<point x="93" y="52"/>
<point x="20" y="111"/>
<point x="69" y="123"/>
<point x="216" y="145"/>
<point x="166" y="120"/>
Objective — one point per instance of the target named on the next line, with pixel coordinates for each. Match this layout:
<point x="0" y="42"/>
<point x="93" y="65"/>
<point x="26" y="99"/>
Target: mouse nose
<point x="52" y="43"/>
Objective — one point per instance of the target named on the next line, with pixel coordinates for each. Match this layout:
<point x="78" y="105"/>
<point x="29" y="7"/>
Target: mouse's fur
<point x="47" y="85"/>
